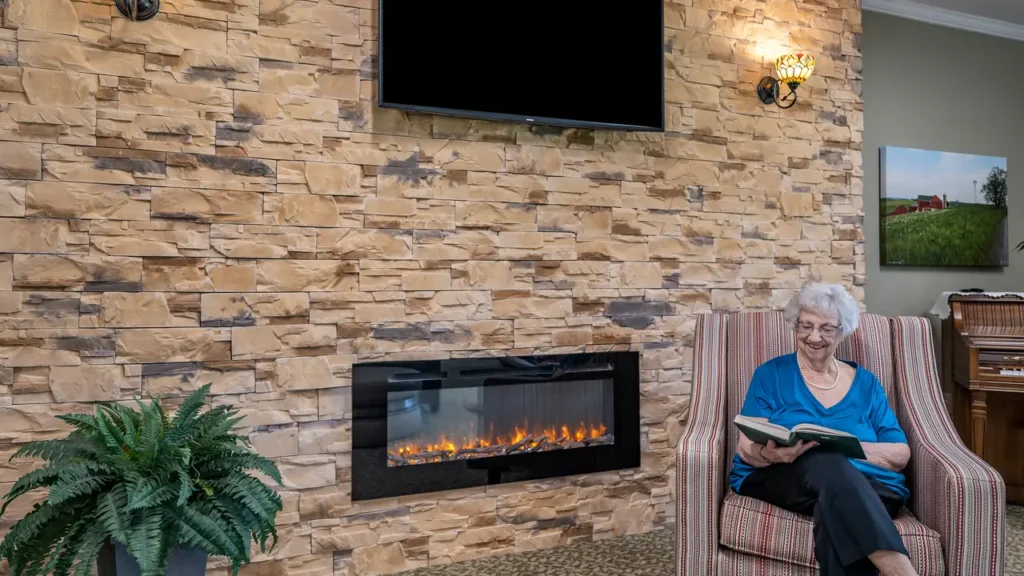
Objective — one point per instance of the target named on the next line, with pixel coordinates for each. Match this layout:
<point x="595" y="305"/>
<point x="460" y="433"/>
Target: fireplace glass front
<point x="435" y="425"/>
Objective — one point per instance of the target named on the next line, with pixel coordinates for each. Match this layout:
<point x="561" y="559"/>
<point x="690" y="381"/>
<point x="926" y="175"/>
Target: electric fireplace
<point x="426" y="426"/>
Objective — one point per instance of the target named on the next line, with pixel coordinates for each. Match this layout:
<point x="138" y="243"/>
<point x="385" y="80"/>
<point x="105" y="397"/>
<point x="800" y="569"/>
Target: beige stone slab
<point x="87" y="201"/>
<point x="37" y="418"/>
<point x="33" y="310"/>
<point x="181" y="379"/>
<point x="197" y="275"/>
<point x="311" y="373"/>
<point x="20" y="161"/>
<point x="156" y="238"/>
<point x="448" y="305"/>
<point x="282" y="341"/>
<point x="320" y="178"/>
<point x="144" y="345"/>
<point x="57" y="16"/>
<point x="140" y="310"/>
<point x="12" y="198"/>
<point x="306" y="210"/>
<point x="34" y="236"/>
<point x="532" y="305"/>
<point x="224" y="206"/>
<point x="254" y="309"/>
<point x="360" y="244"/>
<point x="315" y="21"/>
<point x="72" y="56"/>
<point x="255" y="241"/>
<point x="176" y="33"/>
<point x="76" y="271"/>
<point x="92" y="383"/>
<point x="307" y="276"/>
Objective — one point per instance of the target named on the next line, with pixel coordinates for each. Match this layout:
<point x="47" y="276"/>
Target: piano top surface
<point x="989" y="317"/>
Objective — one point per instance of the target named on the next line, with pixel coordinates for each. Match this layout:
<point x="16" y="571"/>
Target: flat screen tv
<point x="575" y="63"/>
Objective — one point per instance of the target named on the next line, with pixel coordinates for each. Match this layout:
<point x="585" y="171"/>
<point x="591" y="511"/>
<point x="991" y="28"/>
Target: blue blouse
<point x="777" y="392"/>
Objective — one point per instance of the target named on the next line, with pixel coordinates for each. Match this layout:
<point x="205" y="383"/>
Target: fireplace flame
<point x="519" y="440"/>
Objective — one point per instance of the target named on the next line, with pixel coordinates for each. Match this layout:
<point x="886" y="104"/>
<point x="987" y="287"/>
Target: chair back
<point x="753" y="338"/>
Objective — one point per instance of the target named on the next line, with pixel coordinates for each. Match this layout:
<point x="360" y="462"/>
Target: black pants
<point x="852" y="515"/>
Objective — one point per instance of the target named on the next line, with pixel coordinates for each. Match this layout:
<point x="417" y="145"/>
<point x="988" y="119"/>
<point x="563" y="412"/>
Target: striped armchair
<point x="957" y="513"/>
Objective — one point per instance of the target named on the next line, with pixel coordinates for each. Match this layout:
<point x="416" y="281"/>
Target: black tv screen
<point x="591" y="64"/>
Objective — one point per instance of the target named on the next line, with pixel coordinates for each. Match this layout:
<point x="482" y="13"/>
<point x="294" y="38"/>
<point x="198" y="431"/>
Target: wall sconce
<point x="137" y="9"/>
<point x="793" y="70"/>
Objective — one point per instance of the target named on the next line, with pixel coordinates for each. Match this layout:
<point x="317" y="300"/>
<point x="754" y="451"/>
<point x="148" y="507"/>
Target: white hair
<point x="828" y="300"/>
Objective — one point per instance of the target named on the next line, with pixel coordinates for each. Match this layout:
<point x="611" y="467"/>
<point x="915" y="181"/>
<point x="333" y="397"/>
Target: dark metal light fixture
<point x="792" y="70"/>
<point x="138" y="9"/>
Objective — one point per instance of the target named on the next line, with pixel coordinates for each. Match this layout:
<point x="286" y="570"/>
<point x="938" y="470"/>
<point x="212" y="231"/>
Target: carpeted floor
<point x="643" y="555"/>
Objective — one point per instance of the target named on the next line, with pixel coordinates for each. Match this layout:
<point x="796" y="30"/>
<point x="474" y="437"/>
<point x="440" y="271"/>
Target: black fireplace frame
<point x="372" y="478"/>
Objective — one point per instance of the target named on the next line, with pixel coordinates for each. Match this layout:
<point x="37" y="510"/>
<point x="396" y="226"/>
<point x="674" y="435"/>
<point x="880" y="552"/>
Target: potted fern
<point x="144" y="493"/>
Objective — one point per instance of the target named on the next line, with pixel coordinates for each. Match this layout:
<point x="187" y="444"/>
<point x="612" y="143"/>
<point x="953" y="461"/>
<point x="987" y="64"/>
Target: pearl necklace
<point x="809" y="383"/>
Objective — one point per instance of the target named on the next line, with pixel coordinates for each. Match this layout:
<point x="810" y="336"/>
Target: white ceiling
<point x="1006" y="10"/>
<point x="1004" y="18"/>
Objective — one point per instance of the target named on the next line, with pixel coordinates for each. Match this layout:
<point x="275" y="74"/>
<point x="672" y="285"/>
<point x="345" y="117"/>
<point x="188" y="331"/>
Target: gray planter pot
<point x="115" y="560"/>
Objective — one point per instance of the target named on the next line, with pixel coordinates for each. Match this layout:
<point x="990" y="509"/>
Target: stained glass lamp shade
<point x="794" y="69"/>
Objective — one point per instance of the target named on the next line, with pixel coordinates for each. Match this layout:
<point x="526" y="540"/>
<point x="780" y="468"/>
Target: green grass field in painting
<point x="958" y="236"/>
<point x="890" y="204"/>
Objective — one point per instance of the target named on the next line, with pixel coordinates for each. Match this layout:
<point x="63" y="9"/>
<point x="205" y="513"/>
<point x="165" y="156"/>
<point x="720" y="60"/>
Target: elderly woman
<point x="852" y="501"/>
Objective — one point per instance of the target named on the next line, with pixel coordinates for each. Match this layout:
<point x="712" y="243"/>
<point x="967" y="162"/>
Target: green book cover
<point x="761" y="431"/>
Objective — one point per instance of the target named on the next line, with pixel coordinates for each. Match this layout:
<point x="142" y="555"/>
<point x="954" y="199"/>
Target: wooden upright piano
<point x="983" y="373"/>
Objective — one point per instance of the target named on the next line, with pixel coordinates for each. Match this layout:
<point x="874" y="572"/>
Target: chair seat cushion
<point x="755" y="527"/>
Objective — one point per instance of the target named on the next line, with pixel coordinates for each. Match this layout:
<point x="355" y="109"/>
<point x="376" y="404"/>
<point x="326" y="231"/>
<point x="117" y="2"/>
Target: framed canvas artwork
<point x="942" y="209"/>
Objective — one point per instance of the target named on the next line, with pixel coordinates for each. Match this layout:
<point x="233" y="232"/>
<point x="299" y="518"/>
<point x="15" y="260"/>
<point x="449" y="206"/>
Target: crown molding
<point x="948" y="18"/>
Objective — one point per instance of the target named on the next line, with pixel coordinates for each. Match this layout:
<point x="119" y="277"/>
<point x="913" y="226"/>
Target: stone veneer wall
<point x="213" y="197"/>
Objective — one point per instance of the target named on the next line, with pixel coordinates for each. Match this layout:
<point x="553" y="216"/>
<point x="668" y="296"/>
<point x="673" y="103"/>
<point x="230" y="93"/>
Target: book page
<point x="820" y="430"/>
<point x="764" y="425"/>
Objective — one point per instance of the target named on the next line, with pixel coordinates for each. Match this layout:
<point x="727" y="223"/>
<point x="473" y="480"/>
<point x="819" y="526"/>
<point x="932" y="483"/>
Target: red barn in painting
<point x="925" y="203"/>
<point x="901" y="209"/>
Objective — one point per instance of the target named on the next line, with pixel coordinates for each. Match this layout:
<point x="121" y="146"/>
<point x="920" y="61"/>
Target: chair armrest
<point x="700" y="474"/>
<point x="953" y="491"/>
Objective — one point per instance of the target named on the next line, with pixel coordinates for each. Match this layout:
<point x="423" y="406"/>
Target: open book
<point x="759" y="430"/>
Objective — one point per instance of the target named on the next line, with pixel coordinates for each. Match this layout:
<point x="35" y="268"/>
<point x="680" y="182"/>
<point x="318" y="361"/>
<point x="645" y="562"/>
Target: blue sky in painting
<point x="908" y="173"/>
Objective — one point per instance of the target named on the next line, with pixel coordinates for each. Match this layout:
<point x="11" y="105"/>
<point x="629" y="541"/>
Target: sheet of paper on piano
<point x="941" y="307"/>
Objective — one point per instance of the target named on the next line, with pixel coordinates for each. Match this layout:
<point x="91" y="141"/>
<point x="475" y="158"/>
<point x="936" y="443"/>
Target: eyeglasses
<point x="826" y="330"/>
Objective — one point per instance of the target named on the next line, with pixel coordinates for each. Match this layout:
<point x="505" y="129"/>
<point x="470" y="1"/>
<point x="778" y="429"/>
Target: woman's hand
<point x="782" y="455"/>
<point x="889" y="456"/>
<point x="759" y="455"/>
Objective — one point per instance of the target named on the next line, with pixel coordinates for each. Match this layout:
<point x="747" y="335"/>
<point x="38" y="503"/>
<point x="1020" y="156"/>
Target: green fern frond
<point x="112" y="435"/>
<point x="56" y="451"/>
<point x="151" y="496"/>
<point x="245" y="523"/>
<point x="185" y="488"/>
<point x="27" y="528"/>
<point x="35" y="479"/>
<point x="62" y="559"/>
<point x="89" y="551"/>
<point x="144" y="540"/>
<point x="218" y="421"/>
<point x="255" y="462"/>
<point x="83" y="422"/>
<point x="151" y="433"/>
<point x="165" y="420"/>
<point x="139" y="488"/>
<point x="248" y="491"/>
<point x="190" y="407"/>
<point x="111" y="509"/>
<point x="131" y="434"/>
<point x="204" y="529"/>
<point x="75" y="482"/>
